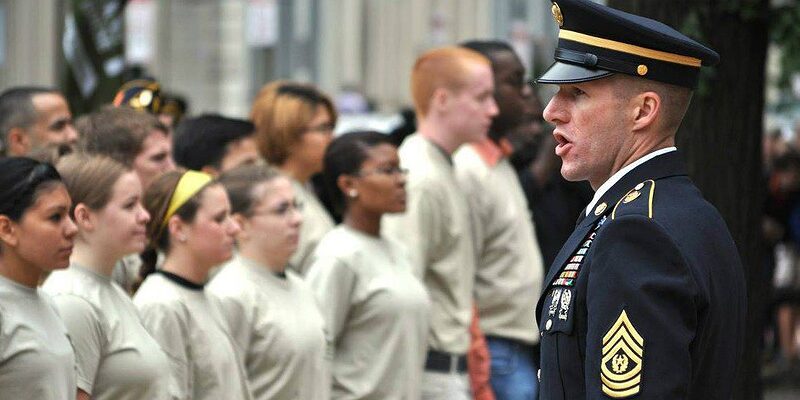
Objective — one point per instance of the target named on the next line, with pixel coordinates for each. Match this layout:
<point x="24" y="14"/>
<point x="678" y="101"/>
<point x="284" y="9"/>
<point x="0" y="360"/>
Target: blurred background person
<point x="33" y="119"/>
<point x="131" y="137"/>
<point x="294" y="124"/>
<point x="375" y="308"/>
<point x="116" y="357"/>
<point x="509" y="268"/>
<point x="554" y="202"/>
<point x="269" y="309"/>
<point x="191" y="224"/>
<point x="145" y="94"/>
<point x="36" y="237"/>
<point x="214" y="144"/>
<point x="137" y="140"/>
<point x="453" y="91"/>
<point x="782" y="235"/>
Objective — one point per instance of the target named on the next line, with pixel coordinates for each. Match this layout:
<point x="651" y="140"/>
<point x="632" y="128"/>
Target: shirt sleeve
<point x="480" y="208"/>
<point x="333" y="283"/>
<point x="168" y="326"/>
<point x="84" y="324"/>
<point x="641" y="314"/>
<point x="236" y="318"/>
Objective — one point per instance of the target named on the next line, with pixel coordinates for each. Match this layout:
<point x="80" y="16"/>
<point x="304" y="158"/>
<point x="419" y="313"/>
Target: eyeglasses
<point x="388" y="171"/>
<point x="282" y="210"/>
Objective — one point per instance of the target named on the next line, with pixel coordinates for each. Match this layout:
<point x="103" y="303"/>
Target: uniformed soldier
<point x="647" y="296"/>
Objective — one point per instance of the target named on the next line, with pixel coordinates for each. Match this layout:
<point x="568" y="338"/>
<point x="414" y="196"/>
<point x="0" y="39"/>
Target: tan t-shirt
<point x="509" y="271"/>
<point x="277" y="324"/>
<point x="377" y="315"/>
<point x="316" y="223"/>
<point x="436" y="230"/>
<point x="117" y="359"/>
<point x="36" y="358"/>
<point x="205" y="362"/>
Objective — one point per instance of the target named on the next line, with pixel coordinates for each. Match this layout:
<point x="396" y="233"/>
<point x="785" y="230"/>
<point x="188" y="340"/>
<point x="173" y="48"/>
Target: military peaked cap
<point x="595" y="41"/>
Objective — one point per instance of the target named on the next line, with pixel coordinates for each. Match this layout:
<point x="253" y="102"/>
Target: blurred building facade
<point x="218" y="53"/>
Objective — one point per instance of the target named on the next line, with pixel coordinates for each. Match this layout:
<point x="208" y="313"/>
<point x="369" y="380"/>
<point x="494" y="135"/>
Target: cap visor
<point x="560" y="73"/>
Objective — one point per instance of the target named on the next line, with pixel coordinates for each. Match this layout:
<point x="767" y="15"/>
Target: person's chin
<point x="61" y="263"/>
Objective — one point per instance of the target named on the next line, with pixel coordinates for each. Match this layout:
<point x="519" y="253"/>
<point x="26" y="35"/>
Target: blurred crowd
<point x="213" y="257"/>
<point x="781" y="232"/>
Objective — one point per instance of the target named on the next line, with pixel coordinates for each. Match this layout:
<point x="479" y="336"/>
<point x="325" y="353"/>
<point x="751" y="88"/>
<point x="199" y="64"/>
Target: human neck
<point x="296" y="171"/>
<point x="94" y="259"/>
<point x="435" y="131"/>
<point x="182" y="263"/>
<point x="15" y="269"/>
<point x="635" y="152"/>
<point x="253" y="252"/>
<point x="363" y="221"/>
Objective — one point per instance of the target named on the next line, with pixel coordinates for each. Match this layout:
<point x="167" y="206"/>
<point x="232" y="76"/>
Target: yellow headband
<point x="190" y="183"/>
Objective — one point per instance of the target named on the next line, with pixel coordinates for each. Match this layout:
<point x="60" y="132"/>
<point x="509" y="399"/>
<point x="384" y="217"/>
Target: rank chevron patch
<point x="623" y="351"/>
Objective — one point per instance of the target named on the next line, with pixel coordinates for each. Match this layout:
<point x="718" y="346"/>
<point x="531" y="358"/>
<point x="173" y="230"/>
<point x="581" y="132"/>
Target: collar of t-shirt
<point x="447" y="156"/>
<point x="181" y="280"/>
<point x="491" y="152"/>
<point x="622" y="172"/>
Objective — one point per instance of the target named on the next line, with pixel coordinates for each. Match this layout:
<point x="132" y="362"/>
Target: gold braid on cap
<point x="190" y="183"/>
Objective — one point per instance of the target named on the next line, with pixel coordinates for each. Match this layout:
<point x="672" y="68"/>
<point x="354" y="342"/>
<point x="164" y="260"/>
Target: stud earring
<point x="353" y="193"/>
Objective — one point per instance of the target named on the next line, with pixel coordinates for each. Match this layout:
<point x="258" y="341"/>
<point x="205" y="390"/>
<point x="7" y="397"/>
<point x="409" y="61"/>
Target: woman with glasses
<point x="376" y="310"/>
<point x="294" y="124"/>
<point x="191" y="224"/>
<point x="116" y="357"/>
<point x="36" y="237"/>
<point x="269" y="310"/>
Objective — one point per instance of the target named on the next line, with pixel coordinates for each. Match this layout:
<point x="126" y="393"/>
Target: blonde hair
<point x="90" y="179"/>
<point x="281" y="113"/>
<point x="445" y="67"/>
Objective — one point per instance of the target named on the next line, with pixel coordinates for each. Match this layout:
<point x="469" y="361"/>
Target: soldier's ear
<point x="646" y="110"/>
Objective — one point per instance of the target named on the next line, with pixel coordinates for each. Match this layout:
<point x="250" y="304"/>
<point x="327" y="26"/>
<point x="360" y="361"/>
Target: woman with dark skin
<point x="375" y="309"/>
<point x="36" y="237"/>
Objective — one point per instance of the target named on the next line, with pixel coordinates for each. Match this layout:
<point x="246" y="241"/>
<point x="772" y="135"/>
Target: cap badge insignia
<point x="641" y="70"/>
<point x="556" y="10"/>
<point x="621" y="366"/>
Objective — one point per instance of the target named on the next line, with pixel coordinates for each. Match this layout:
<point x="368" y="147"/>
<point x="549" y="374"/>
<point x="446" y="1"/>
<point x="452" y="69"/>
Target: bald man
<point x="452" y="89"/>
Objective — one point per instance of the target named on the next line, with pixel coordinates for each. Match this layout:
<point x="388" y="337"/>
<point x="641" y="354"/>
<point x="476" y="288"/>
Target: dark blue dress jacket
<point x="647" y="297"/>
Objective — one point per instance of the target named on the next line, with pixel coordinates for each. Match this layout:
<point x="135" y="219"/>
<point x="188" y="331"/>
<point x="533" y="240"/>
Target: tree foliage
<point x="785" y="33"/>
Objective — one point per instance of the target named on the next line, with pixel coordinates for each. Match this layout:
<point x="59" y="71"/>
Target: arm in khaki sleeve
<point x="420" y="227"/>
<point x="169" y="328"/>
<point x="333" y="283"/>
<point x="237" y="318"/>
<point x="642" y="314"/>
<point x="479" y="208"/>
<point x="83" y="322"/>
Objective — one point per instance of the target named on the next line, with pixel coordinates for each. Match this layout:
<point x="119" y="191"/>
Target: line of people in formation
<point x="122" y="277"/>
